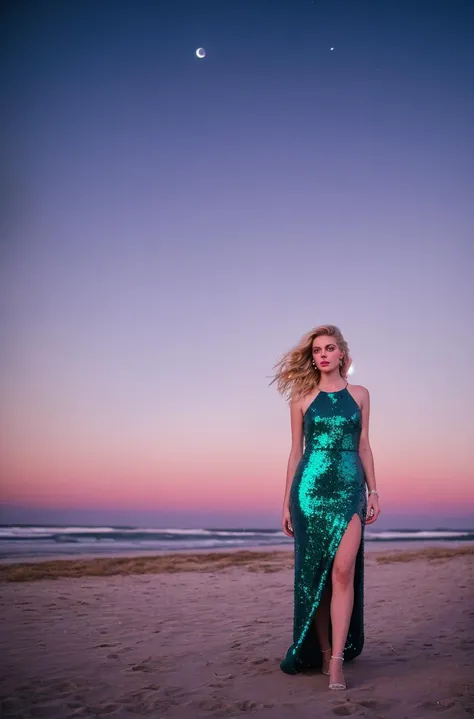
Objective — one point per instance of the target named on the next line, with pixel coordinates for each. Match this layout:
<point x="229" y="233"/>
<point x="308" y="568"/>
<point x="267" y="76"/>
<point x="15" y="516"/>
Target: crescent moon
<point x="200" y="53"/>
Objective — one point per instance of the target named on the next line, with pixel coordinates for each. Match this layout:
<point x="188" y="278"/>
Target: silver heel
<point x="337" y="685"/>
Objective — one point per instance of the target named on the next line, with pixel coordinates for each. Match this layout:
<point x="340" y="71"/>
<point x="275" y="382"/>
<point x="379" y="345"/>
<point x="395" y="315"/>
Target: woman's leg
<point x="342" y="601"/>
<point x="321" y="623"/>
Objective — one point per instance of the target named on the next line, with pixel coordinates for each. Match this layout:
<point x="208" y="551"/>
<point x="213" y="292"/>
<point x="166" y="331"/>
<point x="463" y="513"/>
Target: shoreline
<point x="251" y="560"/>
<point x="370" y="547"/>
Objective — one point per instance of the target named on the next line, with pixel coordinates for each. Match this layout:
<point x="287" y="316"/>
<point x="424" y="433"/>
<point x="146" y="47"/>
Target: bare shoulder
<point x="359" y="392"/>
<point x="296" y="401"/>
<point x="358" y="388"/>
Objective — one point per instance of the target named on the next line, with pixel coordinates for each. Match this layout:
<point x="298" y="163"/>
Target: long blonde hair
<point x="295" y="374"/>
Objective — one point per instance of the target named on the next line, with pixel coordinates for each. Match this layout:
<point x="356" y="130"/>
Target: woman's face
<point x="326" y="353"/>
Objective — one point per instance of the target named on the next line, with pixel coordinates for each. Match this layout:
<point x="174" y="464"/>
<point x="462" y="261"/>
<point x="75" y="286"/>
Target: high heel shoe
<point x="337" y="685"/>
<point x="325" y="651"/>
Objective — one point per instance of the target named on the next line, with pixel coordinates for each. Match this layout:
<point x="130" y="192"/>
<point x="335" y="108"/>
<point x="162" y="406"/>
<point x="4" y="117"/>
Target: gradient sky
<point x="171" y="226"/>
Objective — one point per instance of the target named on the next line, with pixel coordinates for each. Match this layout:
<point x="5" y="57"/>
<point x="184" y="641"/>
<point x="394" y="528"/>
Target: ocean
<point x="36" y="541"/>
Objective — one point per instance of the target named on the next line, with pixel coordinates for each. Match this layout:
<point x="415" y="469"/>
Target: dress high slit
<point x="328" y="489"/>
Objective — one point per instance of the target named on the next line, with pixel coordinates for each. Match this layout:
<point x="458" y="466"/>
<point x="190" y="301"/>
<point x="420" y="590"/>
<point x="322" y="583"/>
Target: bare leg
<point x="321" y="623"/>
<point x="342" y="600"/>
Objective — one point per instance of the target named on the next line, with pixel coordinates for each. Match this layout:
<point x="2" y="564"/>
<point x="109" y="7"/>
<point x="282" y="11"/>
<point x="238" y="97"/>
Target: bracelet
<point x="374" y="491"/>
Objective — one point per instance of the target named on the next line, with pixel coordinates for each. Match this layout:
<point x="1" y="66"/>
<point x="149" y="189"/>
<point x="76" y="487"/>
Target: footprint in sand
<point x="147" y="665"/>
<point x="441" y="706"/>
<point x="263" y="665"/>
<point x="153" y="700"/>
<point x="220" y="681"/>
<point x="211" y="704"/>
<point x="247" y="705"/>
<point x="373" y="704"/>
<point x="349" y="708"/>
<point x="345" y="710"/>
<point x="124" y="650"/>
<point x="221" y="706"/>
<point x="104" y="709"/>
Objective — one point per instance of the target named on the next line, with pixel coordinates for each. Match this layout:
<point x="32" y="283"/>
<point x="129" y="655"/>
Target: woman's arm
<point x="367" y="459"/>
<point x="365" y="451"/>
<point x="296" y="452"/>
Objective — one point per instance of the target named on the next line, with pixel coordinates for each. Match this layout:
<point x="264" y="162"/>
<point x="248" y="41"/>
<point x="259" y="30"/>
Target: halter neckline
<point x="334" y="392"/>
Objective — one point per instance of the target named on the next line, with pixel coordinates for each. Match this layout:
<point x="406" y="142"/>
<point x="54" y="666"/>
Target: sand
<point x="202" y="635"/>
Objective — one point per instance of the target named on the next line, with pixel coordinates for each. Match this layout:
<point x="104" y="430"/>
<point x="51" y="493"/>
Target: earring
<point x="341" y="361"/>
<point x="313" y="363"/>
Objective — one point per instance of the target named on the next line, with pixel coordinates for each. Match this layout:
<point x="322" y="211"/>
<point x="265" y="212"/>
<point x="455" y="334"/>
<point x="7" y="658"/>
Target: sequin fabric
<point x="327" y="490"/>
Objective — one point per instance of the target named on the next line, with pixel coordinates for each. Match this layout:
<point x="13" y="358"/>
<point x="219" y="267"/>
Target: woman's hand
<point x="286" y="522"/>
<point x="373" y="509"/>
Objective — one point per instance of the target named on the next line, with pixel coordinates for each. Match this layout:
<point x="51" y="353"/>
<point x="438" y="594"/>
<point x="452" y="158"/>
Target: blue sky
<point x="173" y="225"/>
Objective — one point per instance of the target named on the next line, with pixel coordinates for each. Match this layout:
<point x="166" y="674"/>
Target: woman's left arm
<point x="367" y="459"/>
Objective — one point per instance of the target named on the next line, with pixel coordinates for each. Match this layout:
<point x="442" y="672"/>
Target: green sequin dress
<point x="327" y="490"/>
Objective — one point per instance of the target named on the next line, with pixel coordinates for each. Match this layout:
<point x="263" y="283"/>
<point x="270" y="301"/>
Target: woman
<point x="326" y="505"/>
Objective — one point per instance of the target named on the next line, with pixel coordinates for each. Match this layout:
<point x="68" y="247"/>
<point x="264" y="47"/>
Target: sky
<point x="171" y="226"/>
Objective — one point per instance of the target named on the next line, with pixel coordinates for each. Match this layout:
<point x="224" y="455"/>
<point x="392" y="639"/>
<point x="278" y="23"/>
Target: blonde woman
<point x="330" y="496"/>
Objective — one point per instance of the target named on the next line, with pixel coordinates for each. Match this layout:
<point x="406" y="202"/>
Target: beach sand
<point x="201" y="635"/>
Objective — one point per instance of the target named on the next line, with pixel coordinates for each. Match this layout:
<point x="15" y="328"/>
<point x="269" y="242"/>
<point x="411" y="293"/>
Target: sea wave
<point x="57" y="533"/>
<point x="130" y="533"/>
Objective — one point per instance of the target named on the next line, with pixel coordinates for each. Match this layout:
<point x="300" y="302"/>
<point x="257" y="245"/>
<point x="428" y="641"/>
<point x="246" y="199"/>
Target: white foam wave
<point x="416" y="535"/>
<point x="198" y="535"/>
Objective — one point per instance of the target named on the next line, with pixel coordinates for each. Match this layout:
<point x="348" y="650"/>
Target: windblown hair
<point x="295" y="374"/>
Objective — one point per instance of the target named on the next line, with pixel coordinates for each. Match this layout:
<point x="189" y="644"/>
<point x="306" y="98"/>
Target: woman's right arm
<point x="296" y="419"/>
